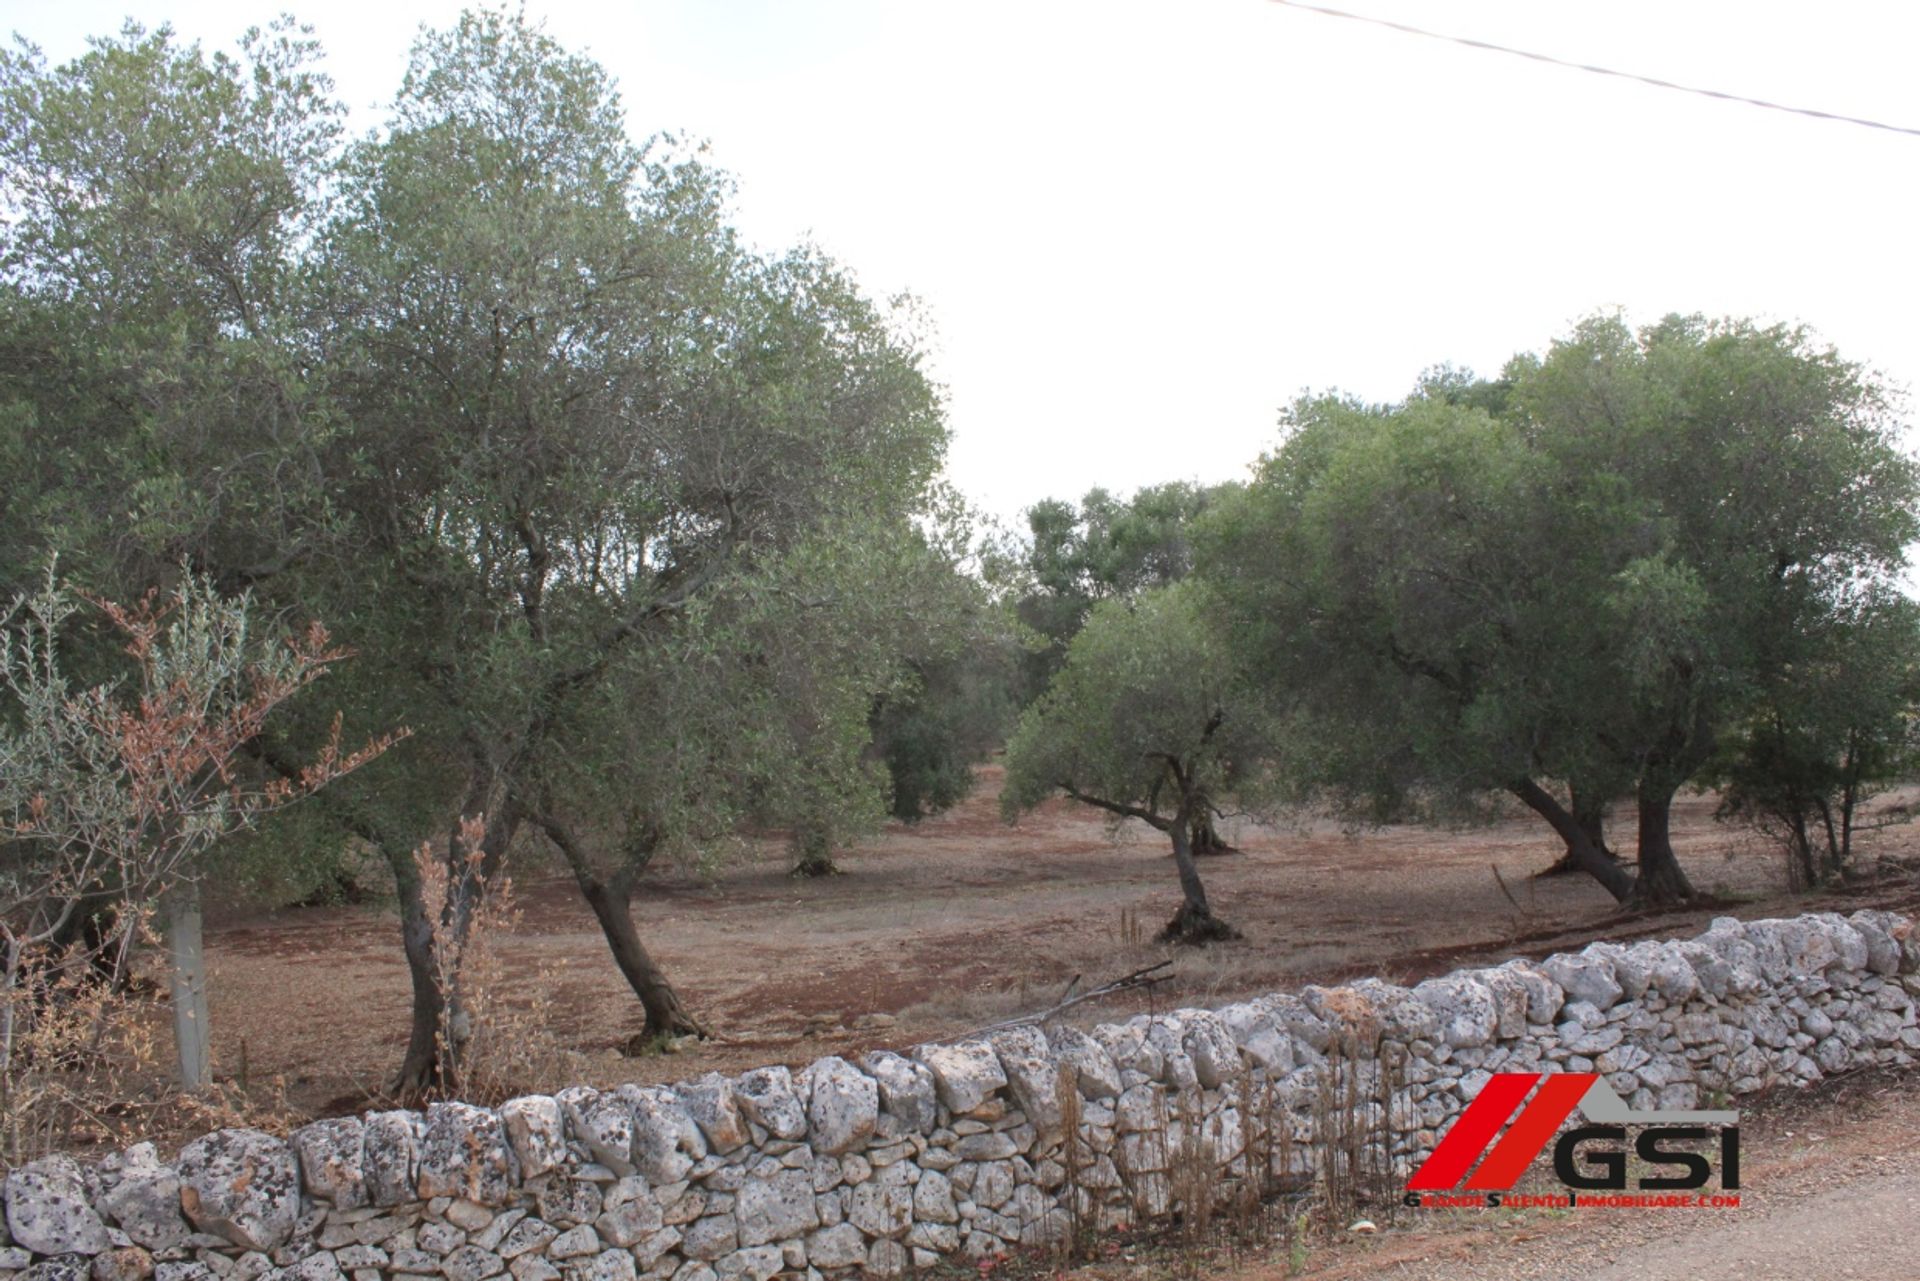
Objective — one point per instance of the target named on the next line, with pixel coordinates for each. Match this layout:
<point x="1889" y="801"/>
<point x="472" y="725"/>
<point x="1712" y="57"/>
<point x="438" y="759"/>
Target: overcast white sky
<point x="1141" y="227"/>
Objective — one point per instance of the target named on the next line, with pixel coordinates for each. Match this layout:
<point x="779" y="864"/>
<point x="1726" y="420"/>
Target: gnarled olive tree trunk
<point x="1589" y="810"/>
<point x="421" y="1071"/>
<point x="435" y="937"/>
<point x="1194" y="923"/>
<point x="611" y="898"/>
<point x="1663" y="773"/>
<point x="1661" y="882"/>
<point x="1204" y="837"/>
<point x="812" y="847"/>
<point x="1585" y="854"/>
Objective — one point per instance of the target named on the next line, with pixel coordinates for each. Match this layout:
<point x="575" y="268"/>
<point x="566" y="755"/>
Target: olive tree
<point x="1105" y="547"/>
<point x="1768" y="492"/>
<point x="1076" y="555"/>
<point x="1566" y="587"/>
<point x="1382" y="577"/>
<point x="1147" y="719"/>
<point x="594" y="444"/>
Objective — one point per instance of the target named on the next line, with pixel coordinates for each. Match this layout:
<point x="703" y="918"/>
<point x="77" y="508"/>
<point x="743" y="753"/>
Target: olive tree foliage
<point x="954" y="709"/>
<point x="1566" y="585"/>
<point x="154" y="374"/>
<point x="1148" y="719"/>
<point x="1383" y="575"/>
<point x="959" y="648"/>
<point x="746" y="709"/>
<point x="1105" y="547"/>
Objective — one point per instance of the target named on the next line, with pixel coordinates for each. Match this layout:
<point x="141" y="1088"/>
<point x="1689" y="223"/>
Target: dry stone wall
<point x="877" y="1167"/>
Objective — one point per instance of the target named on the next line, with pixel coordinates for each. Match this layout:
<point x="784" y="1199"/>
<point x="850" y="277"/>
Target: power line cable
<point x="1550" y="60"/>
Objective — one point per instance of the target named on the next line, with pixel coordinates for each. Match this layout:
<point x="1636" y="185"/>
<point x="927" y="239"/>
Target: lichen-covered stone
<point x="708" y="1238"/>
<point x="608" y="1265"/>
<point x="1093" y="1069"/>
<point x="1670" y="975"/>
<point x="1126" y="1044"/>
<point x="964" y="1075"/>
<point x="319" y="1266"/>
<point x="1291" y="1013"/>
<point x="464" y="1154"/>
<point x="1464" y="1007"/>
<point x="331" y="1156"/>
<point x="1401" y="1015"/>
<point x="840" y="1246"/>
<point x="145" y="1202"/>
<point x="1849" y="948"/>
<point x="1711" y="970"/>
<point x="241" y="1185"/>
<point x="906" y="1091"/>
<point x="666" y="1141"/>
<point x="1209" y="1042"/>
<point x="1509" y="1001"/>
<point x="1627" y="972"/>
<point x="536" y="1131"/>
<point x="122" y="1263"/>
<point x="1584" y="978"/>
<point x="574" y="1242"/>
<point x="601" y="1122"/>
<point x="711" y="1103"/>
<point x="528" y="1267"/>
<point x="767" y="1096"/>
<point x="649" y="1250"/>
<point x="1544" y="996"/>
<point x="1883" y="950"/>
<point x="525" y="1237"/>
<point x="1033" y="1077"/>
<point x="1165" y="1033"/>
<point x="843" y="1106"/>
<point x="751" y="1263"/>
<point x="471" y="1263"/>
<point x="48" y="1211"/>
<point x="564" y="1200"/>
<point x="886" y="1260"/>
<point x="1808" y="947"/>
<point x="776" y="1208"/>
<point x="60" y="1267"/>
<point x="390" y="1156"/>
<point x="880" y="1210"/>
<point x="933" y="1200"/>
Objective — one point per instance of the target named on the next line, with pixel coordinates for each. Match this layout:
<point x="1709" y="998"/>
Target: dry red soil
<point x="961" y="921"/>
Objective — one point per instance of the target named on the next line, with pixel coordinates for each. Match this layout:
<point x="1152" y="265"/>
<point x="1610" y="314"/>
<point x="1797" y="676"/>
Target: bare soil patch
<point x="960" y="921"/>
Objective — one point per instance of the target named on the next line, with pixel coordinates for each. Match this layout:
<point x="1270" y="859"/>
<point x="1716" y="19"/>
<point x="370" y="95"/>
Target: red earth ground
<point x="958" y="922"/>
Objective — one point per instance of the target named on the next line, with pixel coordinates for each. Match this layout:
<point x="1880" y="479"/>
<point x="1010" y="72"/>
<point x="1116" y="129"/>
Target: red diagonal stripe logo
<point x="1558" y="1096"/>
<point x="1471" y="1133"/>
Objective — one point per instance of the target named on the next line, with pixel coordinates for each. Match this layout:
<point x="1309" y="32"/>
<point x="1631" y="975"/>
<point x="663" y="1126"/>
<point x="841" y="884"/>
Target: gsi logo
<point x="1560" y="1093"/>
